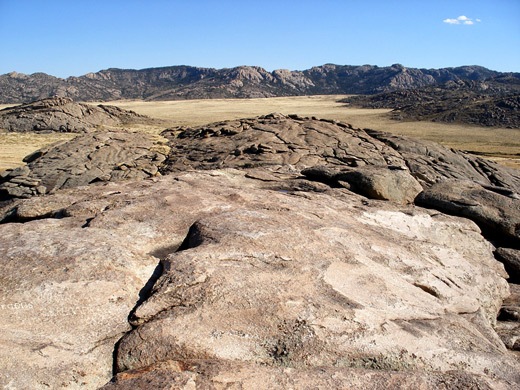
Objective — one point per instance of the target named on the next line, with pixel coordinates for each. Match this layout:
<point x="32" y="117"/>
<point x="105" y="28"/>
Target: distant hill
<point x="186" y="82"/>
<point x="491" y="102"/>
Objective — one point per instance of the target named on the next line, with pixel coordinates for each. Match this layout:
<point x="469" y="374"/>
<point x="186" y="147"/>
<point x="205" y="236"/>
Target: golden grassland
<point x="502" y="145"/>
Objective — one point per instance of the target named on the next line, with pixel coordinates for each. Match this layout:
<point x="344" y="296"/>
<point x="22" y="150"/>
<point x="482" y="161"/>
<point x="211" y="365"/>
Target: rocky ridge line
<point x="186" y="82"/>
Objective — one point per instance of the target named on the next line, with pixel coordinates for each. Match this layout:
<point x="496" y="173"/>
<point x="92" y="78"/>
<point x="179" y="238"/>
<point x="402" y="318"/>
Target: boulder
<point x="275" y="139"/>
<point x="99" y="156"/>
<point x="431" y="163"/>
<point x="396" y="185"/>
<point x="493" y="210"/>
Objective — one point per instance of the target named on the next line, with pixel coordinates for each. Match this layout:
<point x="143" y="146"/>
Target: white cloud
<point x="462" y="19"/>
<point x="451" y="21"/>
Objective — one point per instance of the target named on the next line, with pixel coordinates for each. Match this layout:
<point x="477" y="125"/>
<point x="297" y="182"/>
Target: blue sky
<point x="74" y="37"/>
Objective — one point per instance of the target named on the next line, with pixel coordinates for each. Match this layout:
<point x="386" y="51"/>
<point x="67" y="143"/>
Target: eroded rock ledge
<point x="101" y="156"/>
<point x="59" y="114"/>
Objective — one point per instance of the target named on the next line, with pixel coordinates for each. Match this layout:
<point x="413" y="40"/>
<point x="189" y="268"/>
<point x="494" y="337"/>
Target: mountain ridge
<point x="188" y="82"/>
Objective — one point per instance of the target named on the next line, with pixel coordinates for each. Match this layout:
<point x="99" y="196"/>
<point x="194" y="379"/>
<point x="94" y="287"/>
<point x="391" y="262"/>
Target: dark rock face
<point x="508" y="324"/>
<point x="511" y="259"/>
<point x="493" y="102"/>
<point x="185" y="82"/>
<point x="275" y="139"/>
<point x="100" y="156"/>
<point x="63" y="115"/>
<point x="492" y="210"/>
<point x="308" y="142"/>
<point x="431" y="163"/>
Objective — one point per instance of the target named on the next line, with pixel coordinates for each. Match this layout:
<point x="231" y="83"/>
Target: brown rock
<point x="374" y="182"/>
<point x="511" y="259"/>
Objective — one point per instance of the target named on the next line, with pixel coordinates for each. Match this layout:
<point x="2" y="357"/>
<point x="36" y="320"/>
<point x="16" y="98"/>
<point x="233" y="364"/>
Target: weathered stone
<point x="275" y="139"/>
<point x="63" y="115"/>
<point x="217" y="374"/>
<point x="508" y="324"/>
<point x="430" y="163"/>
<point x="84" y="160"/>
<point x="290" y="279"/>
<point x="511" y="259"/>
<point x="374" y="182"/>
<point x="490" y="209"/>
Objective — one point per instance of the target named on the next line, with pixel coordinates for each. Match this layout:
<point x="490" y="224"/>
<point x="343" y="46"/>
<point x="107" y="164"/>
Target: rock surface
<point x="248" y="273"/>
<point x="306" y="142"/>
<point x="396" y="184"/>
<point x="214" y="275"/>
<point x="100" y="156"/>
<point x="492" y="210"/>
<point x="63" y="115"/>
<point x="211" y="374"/>
<point x="508" y="324"/>
<point x="511" y="259"/>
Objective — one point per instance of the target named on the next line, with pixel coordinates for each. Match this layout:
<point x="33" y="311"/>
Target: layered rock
<point x="252" y="272"/>
<point x="101" y="156"/>
<point x="63" y="115"/>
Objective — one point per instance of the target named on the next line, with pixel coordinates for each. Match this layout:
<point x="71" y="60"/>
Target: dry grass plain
<point x="501" y="145"/>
